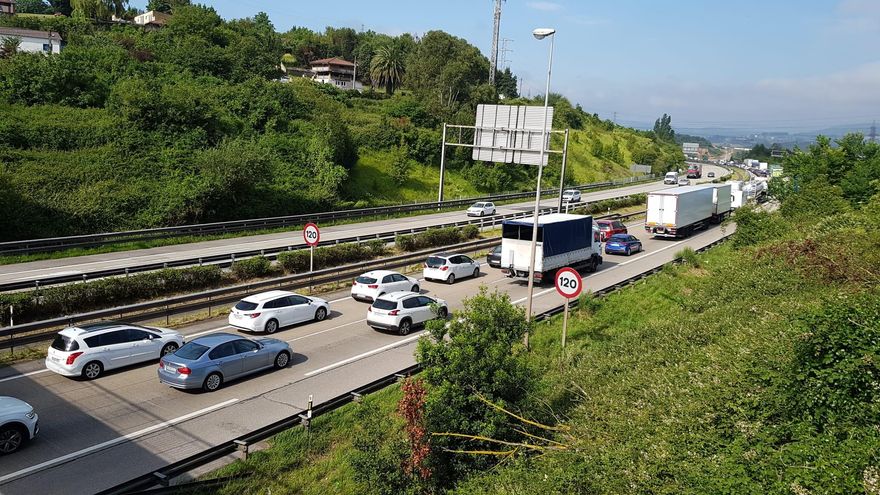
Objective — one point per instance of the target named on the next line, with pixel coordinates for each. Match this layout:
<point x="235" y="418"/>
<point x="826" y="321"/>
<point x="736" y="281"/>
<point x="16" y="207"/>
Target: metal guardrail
<point x="91" y="240"/>
<point x="163" y="476"/>
<point x="39" y="331"/>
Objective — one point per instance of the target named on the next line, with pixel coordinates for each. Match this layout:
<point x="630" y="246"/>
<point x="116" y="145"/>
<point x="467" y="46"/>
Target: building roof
<point x="332" y="61"/>
<point x="31" y="33"/>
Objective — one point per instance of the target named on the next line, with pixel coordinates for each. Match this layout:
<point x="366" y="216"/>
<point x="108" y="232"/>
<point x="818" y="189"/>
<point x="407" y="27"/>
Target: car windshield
<point x="384" y="304"/>
<point x="191" y="351"/>
<point x="64" y="343"/>
<point x="246" y="306"/>
<point x="496" y="250"/>
<point x="571" y="193"/>
<point x="435" y="262"/>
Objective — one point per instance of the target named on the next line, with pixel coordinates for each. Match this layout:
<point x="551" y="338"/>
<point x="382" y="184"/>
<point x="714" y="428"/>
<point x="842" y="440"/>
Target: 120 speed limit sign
<point x="569" y="283"/>
<point x="311" y="234"/>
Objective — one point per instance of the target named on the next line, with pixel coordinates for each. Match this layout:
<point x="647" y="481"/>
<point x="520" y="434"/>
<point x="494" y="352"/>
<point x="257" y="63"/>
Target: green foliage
<point x="107" y="292"/>
<point x="505" y="82"/>
<point x="479" y="351"/>
<point x="400" y="164"/>
<point x="256" y="267"/>
<point x="689" y="257"/>
<point x="663" y="129"/>
<point x="754" y="226"/>
<point x="32" y="7"/>
<point x="817" y="198"/>
<point x="379" y="451"/>
<point x="853" y="165"/>
<point x="436" y="238"/>
<point x="387" y="66"/>
<point x="331" y="256"/>
<point x="166" y="6"/>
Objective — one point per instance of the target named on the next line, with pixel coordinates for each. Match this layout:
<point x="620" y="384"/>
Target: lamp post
<point x="539" y="34"/>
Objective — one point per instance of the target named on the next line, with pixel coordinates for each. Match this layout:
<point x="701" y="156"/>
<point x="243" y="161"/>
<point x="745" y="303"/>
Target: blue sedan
<point x="207" y="362"/>
<point x="623" y="244"/>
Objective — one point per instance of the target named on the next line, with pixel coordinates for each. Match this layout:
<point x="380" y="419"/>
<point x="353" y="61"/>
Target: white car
<point x="401" y="311"/>
<point x="19" y="424"/>
<point x="91" y="349"/>
<point x="571" y="196"/>
<point x="481" y="208"/>
<point x="269" y="311"/>
<point x="449" y="267"/>
<point x="371" y="285"/>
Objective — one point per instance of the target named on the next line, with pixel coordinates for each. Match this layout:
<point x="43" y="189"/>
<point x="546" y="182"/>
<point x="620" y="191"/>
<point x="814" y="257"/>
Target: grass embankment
<point x="747" y="370"/>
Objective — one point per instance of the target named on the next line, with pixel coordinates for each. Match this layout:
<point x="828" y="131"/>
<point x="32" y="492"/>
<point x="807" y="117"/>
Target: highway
<point x="97" y="434"/>
<point x="37" y="270"/>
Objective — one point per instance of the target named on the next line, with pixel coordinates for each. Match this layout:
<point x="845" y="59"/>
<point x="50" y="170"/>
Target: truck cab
<point x="671" y="178"/>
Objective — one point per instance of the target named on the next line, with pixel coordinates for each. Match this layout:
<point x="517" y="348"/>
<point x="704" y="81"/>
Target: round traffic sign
<point x="569" y="283"/>
<point x="311" y="234"/>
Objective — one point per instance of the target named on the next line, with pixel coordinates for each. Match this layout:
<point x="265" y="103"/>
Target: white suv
<point x="371" y="285"/>
<point x="449" y="267"/>
<point x="269" y="311"/>
<point x="89" y="350"/>
<point x="401" y="311"/>
<point x="481" y="208"/>
<point x="18" y="424"/>
<point x="571" y="196"/>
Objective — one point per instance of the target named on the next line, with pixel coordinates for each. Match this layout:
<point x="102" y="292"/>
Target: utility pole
<point x="495" y="31"/>
<point x="872" y="136"/>
<point x="615" y="118"/>
<point x="505" y="61"/>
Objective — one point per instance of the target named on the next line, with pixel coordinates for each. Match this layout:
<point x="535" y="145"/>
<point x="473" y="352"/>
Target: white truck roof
<point x="547" y="219"/>
<point x="681" y="190"/>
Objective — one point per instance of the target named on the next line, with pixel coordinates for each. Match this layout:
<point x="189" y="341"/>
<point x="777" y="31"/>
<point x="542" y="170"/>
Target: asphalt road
<point x="88" y="264"/>
<point x="100" y="433"/>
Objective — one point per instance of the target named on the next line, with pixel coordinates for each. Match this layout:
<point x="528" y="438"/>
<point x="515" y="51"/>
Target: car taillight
<point x="426" y="265"/>
<point x="374" y="286"/>
<point x="72" y="357"/>
<point x="183" y="370"/>
<point x="254" y="315"/>
<point x="370" y="309"/>
<point x="354" y="283"/>
<point x="394" y="312"/>
<point x="161" y="364"/>
<point x="444" y="268"/>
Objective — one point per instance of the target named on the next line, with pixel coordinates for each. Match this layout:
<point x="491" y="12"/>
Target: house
<point x="152" y="20"/>
<point x="7" y="7"/>
<point x="34" y="41"/>
<point x="690" y="148"/>
<point x="336" y="71"/>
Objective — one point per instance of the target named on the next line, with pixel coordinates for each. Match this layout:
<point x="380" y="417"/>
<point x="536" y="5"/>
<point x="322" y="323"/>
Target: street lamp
<point x="539" y="34"/>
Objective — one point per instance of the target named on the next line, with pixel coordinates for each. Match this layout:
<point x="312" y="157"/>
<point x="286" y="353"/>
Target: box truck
<point x="678" y="212"/>
<point x="670" y="178"/>
<point x="721" y="201"/>
<point x="563" y="240"/>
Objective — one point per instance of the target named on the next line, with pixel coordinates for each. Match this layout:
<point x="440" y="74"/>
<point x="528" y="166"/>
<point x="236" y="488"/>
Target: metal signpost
<point x="569" y="285"/>
<point x="312" y="236"/>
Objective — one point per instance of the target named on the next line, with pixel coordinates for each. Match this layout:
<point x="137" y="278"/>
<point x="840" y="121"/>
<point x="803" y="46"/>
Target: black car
<point x="494" y="257"/>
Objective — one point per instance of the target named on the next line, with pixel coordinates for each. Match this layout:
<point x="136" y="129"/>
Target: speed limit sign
<point x="568" y="283"/>
<point x="311" y="234"/>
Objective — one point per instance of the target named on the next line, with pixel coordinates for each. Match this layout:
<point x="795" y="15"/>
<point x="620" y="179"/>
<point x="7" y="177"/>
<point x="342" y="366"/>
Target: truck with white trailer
<point x="678" y="212"/>
<point x="563" y="240"/>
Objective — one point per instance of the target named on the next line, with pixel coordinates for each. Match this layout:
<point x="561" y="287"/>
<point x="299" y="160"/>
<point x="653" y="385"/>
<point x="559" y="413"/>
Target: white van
<point x="671" y="178"/>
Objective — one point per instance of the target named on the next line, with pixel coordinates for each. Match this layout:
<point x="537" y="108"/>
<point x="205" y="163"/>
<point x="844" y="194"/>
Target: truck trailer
<point x="678" y="212"/>
<point x="563" y="240"/>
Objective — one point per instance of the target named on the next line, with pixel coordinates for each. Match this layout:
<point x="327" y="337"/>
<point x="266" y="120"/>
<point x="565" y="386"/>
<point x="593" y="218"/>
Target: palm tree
<point x="387" y="67"/>
<point x="9" y="46"/>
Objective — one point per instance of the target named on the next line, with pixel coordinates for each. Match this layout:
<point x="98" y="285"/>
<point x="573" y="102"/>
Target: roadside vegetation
<point x="751" y="368"/>
<point x="129" y="129"/>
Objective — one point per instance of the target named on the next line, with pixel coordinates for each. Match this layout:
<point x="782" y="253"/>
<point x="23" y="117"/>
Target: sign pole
<point x="569" y="285"/>
<point x="564" y="326"/>
<point x="312" y="258"/>
<point x="442" y="166"/>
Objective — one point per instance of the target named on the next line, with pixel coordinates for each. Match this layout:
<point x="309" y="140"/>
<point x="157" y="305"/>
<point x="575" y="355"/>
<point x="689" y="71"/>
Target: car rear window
<point x="246" y="306"/>
<point x="191" y="350"/>
<point x="384" y="304"/>
<point x="64" y="343"/>
<point x="478" y="205"/>
<point x="365" y="280"/>
<point x="435" y="262"/>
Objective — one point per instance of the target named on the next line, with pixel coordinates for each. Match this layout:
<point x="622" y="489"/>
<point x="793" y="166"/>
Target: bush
<point x="689" y="256"/>
<point x="107" y="292"/>
<point x="255" y="267"/>
<point x="605" y="205"/>
<point x="330" y="256"/>
<point x="754" y="226"/>
<point x="436" y="237"/>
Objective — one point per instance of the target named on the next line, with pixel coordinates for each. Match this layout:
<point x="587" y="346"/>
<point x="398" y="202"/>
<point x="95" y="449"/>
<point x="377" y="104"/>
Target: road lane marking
<point x="110" y="443"/>
<point x="327" y="330"/>
<point x="208" y="331"/>
<point x="366" y="354"/>
<point x="16" y="377"/>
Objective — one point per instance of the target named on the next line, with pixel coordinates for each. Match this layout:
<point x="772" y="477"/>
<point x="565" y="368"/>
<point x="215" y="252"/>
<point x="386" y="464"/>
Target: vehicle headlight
<point x="31" y="415"/>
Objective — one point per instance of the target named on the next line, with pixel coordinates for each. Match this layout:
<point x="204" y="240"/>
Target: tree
<point x="98" y="9"/>
<point x="9" y="46"/>
<point x="663" y="129"/>
<point x="388" y="66"/>
<point x="166" y="6"/>
<point x="505" y="83"/>
<point x="61" y="6"/>
<point x="33" y="7"/>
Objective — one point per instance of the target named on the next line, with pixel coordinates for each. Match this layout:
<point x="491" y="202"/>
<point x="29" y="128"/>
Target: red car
<point x="608" y="228"/>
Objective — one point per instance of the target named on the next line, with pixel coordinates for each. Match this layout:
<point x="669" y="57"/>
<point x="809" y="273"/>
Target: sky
<point x="775" y="65"/>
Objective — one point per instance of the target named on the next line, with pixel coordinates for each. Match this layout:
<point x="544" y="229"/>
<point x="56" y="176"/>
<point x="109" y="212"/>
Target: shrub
<point x="436" y="237"/>
<point x="330" y="256"/>
<point x="258" y="266"/>
<point x="689" y="256"/>
<point x="754" y="226"/>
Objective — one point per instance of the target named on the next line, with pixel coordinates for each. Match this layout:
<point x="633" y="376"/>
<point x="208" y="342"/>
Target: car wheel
<point x="92" y="370"/>
<point x="416" y="289"/>
<point x="482" y="213"/>
<point x="282" y="359"/>
<point x="442" y="313"/>
<point x="476" y="272"/>
<point x="169" y="348"/>
<point x="271" y="326"/>
<point x="320" y="314"/>
<point x="11" y="438"/>
<point x="213" y="382"/>
<point x="451" y="279"/>
<point x="494" y="211"/>
<point x="404" y="327"/>
<point x="628" y="252"/>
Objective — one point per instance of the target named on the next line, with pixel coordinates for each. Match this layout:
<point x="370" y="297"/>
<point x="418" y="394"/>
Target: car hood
<point x="318" y="300"/>
<point x="165" y="331"/>
<point x="11" y="405"/>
